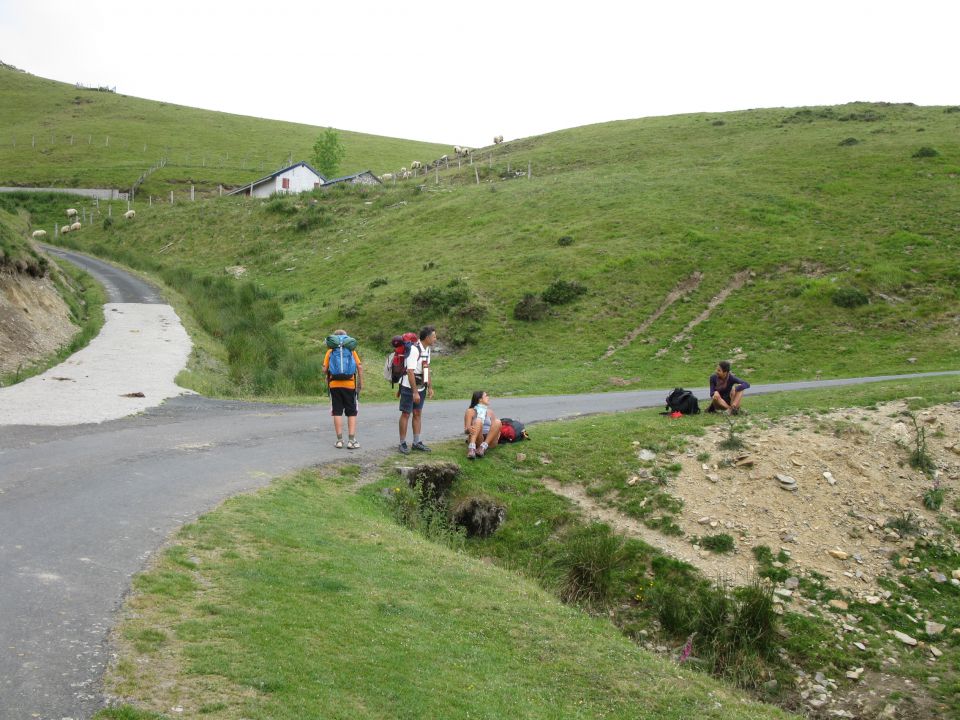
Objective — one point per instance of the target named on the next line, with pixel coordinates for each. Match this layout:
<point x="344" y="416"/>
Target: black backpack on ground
<point x="682" y="401"/>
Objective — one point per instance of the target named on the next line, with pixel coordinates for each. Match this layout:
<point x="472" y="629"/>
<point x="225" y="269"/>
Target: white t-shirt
<point x="418" y="357"/>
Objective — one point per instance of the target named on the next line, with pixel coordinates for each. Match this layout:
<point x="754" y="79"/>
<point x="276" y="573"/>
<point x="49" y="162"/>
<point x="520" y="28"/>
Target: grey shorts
<point x="406" y="400"/>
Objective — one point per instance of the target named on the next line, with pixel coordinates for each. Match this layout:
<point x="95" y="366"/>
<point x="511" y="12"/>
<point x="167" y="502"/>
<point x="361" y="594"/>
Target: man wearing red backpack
<point x="415" y="387"/>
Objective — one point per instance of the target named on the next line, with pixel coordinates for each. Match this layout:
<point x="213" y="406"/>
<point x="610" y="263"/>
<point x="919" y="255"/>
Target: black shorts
<point x="343" y="401"/>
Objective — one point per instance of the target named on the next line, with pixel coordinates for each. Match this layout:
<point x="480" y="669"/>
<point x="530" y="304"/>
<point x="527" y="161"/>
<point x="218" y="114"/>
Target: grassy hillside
<point x="53" y="134"/>
<point x="798" y="243"/>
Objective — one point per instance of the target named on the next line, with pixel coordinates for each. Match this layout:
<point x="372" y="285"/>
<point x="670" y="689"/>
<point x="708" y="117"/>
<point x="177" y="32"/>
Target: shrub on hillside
<point x="925" y="152"/>
<point x="441" y="300"/>
<point x="953" y="109"/>
<point x="730" y="632"/>
<point x="530" y="308"/>
<point x="848" y="297"/>
<point x="377" y="282"/>
<point x="847" y="142"/>
<point x="565" y="241"/>
<point x="561" y="292"/>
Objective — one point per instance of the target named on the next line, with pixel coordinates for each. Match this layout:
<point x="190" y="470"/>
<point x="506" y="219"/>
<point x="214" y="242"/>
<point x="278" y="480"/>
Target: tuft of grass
<point x="719" y="543"/>
<point x="588" y="561"/>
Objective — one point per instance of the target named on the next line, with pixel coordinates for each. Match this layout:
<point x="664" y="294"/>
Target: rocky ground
<point x="836" y="498"/>
<point x="34" y="320"/>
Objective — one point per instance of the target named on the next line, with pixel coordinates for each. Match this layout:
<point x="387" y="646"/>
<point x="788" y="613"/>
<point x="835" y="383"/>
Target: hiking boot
<point x="404" y="449"/>
<point x="420" y="446"/>
<point x="353" y="444"/>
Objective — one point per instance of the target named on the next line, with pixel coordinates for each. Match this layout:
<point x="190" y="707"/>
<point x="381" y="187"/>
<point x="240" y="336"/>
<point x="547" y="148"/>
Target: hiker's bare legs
<point x="417" y="420"/>
<point x="718" y="403"/>
<point x="493" y="435"/>
<point x="476" y="432"/>
<point x="338" y="425"/>
<point x="735" y="397"/>
<point x="404" y="424"/>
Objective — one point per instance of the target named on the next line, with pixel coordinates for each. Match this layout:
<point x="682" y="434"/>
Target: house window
<point x="286" y="183"/>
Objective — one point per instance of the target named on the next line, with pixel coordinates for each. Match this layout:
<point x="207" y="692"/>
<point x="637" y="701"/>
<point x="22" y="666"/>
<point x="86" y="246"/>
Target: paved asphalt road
<point x="83" y="507"/>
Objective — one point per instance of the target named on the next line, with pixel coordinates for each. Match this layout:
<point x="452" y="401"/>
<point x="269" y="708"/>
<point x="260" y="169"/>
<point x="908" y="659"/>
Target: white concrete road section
<point x="129" y="367"/>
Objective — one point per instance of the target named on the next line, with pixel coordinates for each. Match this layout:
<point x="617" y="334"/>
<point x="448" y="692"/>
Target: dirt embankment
<point x="34" y="320"/>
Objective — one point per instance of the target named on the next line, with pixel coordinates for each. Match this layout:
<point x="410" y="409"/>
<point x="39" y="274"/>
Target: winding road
<point x="84" y="505"/>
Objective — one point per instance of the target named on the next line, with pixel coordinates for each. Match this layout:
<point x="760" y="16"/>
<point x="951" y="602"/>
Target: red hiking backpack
<point x="396" y="366"/>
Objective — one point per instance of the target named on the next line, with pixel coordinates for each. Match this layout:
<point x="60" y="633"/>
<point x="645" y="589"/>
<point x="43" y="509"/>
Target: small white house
<point x="294" y="179"/>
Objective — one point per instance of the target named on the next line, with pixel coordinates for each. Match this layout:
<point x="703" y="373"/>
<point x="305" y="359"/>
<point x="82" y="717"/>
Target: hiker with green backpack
<point x="344" y="375"/>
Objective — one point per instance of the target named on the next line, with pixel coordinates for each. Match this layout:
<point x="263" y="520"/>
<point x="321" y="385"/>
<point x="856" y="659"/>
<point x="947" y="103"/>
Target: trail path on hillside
<point x="83" y="506"/>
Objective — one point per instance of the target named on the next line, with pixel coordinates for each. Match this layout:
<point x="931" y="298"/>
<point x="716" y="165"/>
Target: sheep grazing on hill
<point x="457" y="150"/>
<point x="386" y="177"/>
<point x="71" y="212"/>
<point x="130" y="214"/>
<point x="416" y="165"/>
<point x="39" y="234"/>
<point x="498" y="139"/>
<point x="406" y="174"/>
<point x="75" y="226"/>
<point x="65" y="229"/>
<point x="465" y="151"/>
<point x="443" y="159"/>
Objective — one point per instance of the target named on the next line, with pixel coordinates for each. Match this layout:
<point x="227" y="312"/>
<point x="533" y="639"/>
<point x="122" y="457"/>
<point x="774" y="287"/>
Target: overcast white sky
<point x="461" y="72"/>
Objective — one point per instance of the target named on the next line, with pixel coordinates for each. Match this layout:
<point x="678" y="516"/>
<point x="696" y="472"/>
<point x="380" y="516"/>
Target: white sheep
<point x="65" y="229"/>
<point x="457" y="150"/>
<point x="75" y="226"/>
<point x="498" y="139"/>
<point x="71" y="212"/>
<point x="405" y="174"/>
<point x="39" y="234"/>
<point x="416" y="165"/>
<point x="443" y="159"/>
<point x="465" y="151"/>
<point x="386" y="177"/>
<point x="130" y="214"/>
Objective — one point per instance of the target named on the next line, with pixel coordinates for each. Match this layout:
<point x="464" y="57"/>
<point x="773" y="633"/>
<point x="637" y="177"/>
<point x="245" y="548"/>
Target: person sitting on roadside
<point x="726" y="390"/>
<point x="480" y="424"/>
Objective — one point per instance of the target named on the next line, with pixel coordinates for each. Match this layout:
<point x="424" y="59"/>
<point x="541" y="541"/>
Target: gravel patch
<point x="129" y="367"/>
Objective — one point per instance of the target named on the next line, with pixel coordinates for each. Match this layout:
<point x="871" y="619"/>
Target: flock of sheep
<point x="416" y="165"/>
<point x="75" y="225"/>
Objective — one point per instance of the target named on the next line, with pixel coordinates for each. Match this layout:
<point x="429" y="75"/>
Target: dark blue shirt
<point x="732" y="381"/>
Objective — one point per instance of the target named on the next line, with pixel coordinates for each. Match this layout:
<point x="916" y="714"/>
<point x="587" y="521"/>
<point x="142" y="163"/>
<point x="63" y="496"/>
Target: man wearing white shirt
<point x="415" y="387"/>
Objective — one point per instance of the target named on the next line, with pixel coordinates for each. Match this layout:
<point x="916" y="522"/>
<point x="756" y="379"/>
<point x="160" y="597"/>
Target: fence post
<point x="33" y="141"/>
<point x="529" y="169"/>
<point x="192" y="198"/>
<point x="437" y="168"/>
<point x="56" y="229"/>
<point x="150" y="202"/>
<point x="171" y="197"/>
<point x="71" y="139"/>
<point x="221" y="190"/>
<point x="477" y="173"/>
<point x="109" y="209"/>
<point x="107" y="144"/>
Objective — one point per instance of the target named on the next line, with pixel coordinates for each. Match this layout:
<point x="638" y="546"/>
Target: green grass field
<point x="56" y="135"/>
<point x="846" y="254"/>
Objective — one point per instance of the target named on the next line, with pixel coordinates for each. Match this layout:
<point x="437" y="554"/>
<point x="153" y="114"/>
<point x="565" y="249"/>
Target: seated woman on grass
<point x="726" y="390"/>
<point x="480" y="424"/>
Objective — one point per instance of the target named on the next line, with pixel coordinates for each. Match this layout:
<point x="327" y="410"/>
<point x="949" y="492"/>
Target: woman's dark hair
<point x="475" y="398"/>
<point x="724" y="365"/>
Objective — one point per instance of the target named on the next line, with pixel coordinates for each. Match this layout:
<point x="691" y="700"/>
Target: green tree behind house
<point x="328" y="151"/>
